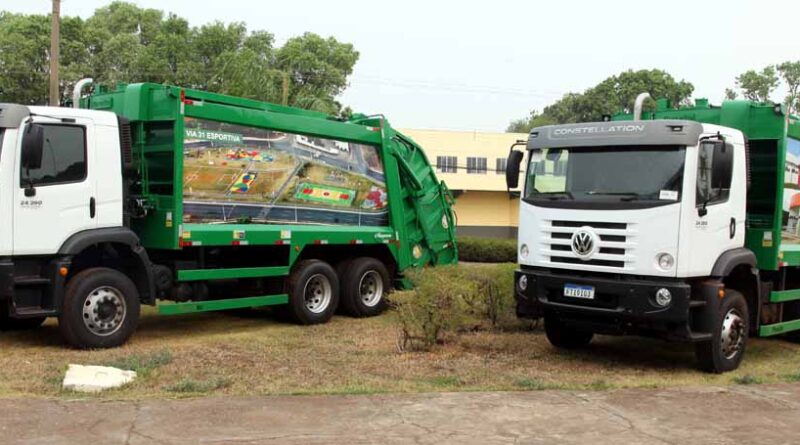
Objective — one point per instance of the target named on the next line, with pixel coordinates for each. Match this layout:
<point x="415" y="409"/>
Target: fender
<point x="78" y="242"/>
<point x="732" y="258"/>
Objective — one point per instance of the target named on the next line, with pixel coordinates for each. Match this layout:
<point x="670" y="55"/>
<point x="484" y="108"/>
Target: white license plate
<point x="576" y="291"/>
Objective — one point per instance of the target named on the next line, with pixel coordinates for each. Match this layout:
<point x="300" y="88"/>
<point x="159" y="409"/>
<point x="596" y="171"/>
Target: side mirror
<point x="512" y="168"/>
<point x="32" y="147"/>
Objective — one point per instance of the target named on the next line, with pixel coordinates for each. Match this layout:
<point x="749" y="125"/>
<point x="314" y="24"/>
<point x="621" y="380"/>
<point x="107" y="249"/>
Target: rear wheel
<point x="726" y="349"/>
<point x="313" y="292"/>
<point x="7" y="323"/>
<point x="365" y="284"/>
<point x="101" y="309"/>
<point x="562" y="336"/>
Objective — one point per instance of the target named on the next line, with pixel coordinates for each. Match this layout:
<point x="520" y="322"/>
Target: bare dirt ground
<point x="764" y="414"/>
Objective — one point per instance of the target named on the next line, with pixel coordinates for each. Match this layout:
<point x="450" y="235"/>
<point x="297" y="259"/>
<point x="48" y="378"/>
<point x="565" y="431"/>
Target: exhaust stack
<point x="637" y="106"/>
<point x="76" y="92"/>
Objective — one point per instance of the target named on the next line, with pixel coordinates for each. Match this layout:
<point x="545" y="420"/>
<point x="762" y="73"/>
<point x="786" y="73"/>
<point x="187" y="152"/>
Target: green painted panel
<point x="778" y="328"/>
<point x="222" y="274"/>
<point x="220" y="305"/>
<point x="784" y="295"/>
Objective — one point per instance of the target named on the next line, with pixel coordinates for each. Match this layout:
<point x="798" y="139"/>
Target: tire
<point x="563" y="336"/>
<point x="313" y="289"/>
<point x="365" y="285"/>
<point x="729" y="333"/>
<point x="101" y="309"/>
<point x="7" y="323"/>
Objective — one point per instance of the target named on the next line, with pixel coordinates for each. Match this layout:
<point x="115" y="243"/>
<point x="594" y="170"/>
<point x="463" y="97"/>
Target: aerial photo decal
<point x="237" y="174"/>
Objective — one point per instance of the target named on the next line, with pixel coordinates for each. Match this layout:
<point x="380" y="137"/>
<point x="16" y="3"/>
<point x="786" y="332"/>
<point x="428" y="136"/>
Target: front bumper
<point x="620" y="304"/>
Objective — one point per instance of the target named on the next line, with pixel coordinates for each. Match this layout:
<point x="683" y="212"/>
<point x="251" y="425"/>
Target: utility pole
<point x="286" y="89"/>
<point x="54" y="37"/>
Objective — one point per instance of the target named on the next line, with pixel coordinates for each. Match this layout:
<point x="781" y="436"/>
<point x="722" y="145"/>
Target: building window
<point x="446" y="164"/>
<point x="500" y="166"/>
<point x="476" y="165"/>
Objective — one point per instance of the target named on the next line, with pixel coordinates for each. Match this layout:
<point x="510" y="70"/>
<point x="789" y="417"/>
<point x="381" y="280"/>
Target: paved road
<point x="707" y="415"/>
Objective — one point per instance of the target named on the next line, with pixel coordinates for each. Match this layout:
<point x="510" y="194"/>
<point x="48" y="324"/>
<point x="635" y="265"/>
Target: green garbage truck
<point x="679" y="223"/>
<point x="149" y="194"/>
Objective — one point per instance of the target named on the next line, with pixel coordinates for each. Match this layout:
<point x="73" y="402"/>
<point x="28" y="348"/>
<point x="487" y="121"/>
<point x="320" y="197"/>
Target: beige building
<point x="473" y="166"/>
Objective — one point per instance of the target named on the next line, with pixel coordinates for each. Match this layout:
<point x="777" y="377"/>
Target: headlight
<point x="523" y="282"/>
<point x="665" y="261"/>
<point x="523" y="251"/>
<point x="663" y="297"/>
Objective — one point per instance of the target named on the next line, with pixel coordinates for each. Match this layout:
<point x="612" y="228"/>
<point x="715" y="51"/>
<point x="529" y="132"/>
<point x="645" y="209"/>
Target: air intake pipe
<point x="637" y="106"/>
<point x="76" y="92"/>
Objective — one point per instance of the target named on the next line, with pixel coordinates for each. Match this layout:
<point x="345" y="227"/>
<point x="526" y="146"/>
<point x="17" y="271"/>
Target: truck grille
<point x="615" y="239"/>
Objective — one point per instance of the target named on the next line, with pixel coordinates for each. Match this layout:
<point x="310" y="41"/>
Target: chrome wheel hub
<point x="371" y="288"/>
<point x="733" y="333"/>
<point x="317" y="293"/>
<point x="104" y="311"/>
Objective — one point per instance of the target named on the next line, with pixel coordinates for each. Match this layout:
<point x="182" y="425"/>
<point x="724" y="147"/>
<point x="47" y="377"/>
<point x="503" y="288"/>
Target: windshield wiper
<point x="554" y="196"/>
<point x="626" y="196"/>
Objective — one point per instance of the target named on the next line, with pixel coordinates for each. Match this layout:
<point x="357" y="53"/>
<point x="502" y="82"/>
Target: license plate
<point x="577" y="291"/>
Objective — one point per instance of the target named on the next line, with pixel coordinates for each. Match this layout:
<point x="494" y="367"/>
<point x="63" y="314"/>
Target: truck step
<point x="782" y="296"/>
<point x="31" y="281"/>
<point x="33" y="311"/>
<point x="778" y="328"/>
<point x="699" y="336"/>
<point x="696" y="303"/>
<point x="219" y="305"/>
<point x="226" y="274"/>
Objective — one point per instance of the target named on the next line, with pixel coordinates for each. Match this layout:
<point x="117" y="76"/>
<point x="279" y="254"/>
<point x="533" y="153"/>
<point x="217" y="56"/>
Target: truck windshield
<point x="610" y="175"/>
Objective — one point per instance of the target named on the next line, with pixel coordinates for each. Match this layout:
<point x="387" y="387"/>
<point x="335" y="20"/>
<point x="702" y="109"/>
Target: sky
<point x="461" y="65"/>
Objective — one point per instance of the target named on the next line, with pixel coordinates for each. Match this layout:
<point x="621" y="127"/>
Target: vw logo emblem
<point x="583" y="243"/>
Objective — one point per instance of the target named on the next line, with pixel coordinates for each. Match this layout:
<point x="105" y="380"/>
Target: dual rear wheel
<point x="316" y="290"/>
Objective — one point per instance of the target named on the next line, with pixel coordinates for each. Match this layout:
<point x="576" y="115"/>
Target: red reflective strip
<point x="235" y="243"/>
<point x="183" y="95"/>
<point x="279" y="242"/>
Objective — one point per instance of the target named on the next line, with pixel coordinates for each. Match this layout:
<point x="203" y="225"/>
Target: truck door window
<point x="63" y="158"/>
<point x="714" y="172"/>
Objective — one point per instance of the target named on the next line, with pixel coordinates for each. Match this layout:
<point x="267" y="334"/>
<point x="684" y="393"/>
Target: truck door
<point x="56" y="200"/>
<point x="719" y="205"/>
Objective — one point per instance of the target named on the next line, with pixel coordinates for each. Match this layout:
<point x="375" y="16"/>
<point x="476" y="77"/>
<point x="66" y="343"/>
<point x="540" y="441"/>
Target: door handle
<point x="733" y="227"/>
<point x="92" y="207"/>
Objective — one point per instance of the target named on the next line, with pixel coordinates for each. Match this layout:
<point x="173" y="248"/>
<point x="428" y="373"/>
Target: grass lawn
<point x="254" y="354"/>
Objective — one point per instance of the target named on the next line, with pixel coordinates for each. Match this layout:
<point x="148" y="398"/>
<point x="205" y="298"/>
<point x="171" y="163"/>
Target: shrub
<point x="455" y="298"/>
<point x="487" y="250"/>
<point x="435" y="306"/>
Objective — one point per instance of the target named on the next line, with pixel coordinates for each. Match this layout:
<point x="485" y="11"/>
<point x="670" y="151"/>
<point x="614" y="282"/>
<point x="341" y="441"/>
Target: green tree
<point x="614" y="94"/>
<point x="731" y="94"/>
<point x="790" y="72"/>
<point x="122" y="42"/>
<point x="758" y="86"/>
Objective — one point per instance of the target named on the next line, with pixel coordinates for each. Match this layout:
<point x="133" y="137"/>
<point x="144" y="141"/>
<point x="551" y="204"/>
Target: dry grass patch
<point x="227" y="354"/>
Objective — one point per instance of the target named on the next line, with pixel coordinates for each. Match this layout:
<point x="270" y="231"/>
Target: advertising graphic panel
<point x="235" y="174"/>
<point x="791" y="192"/>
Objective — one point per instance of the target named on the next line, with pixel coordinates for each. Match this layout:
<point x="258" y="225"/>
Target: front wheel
<point x="726" y="349"/>
<point x="101" y="309"/>
<point x="562" y="336"/>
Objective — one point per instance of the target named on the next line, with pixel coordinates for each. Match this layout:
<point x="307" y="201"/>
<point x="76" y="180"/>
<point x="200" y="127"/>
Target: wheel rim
<point x="733" y="333"/>
<point x="317" y="293"/>
<point x="104" y="311"/>
<point x="371" y="288"/>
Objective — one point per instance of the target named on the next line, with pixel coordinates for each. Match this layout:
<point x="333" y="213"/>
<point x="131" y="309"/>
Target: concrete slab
<point x="83" y="378"/>
<point x="707" y="415"/>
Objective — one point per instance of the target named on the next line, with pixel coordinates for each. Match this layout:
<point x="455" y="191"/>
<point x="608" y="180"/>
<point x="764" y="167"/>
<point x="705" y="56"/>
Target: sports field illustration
<point x="273" y="175"/>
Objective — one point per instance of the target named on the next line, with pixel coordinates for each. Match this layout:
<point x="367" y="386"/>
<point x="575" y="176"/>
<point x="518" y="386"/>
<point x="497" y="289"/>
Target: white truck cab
<point x="621" y="225"/>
